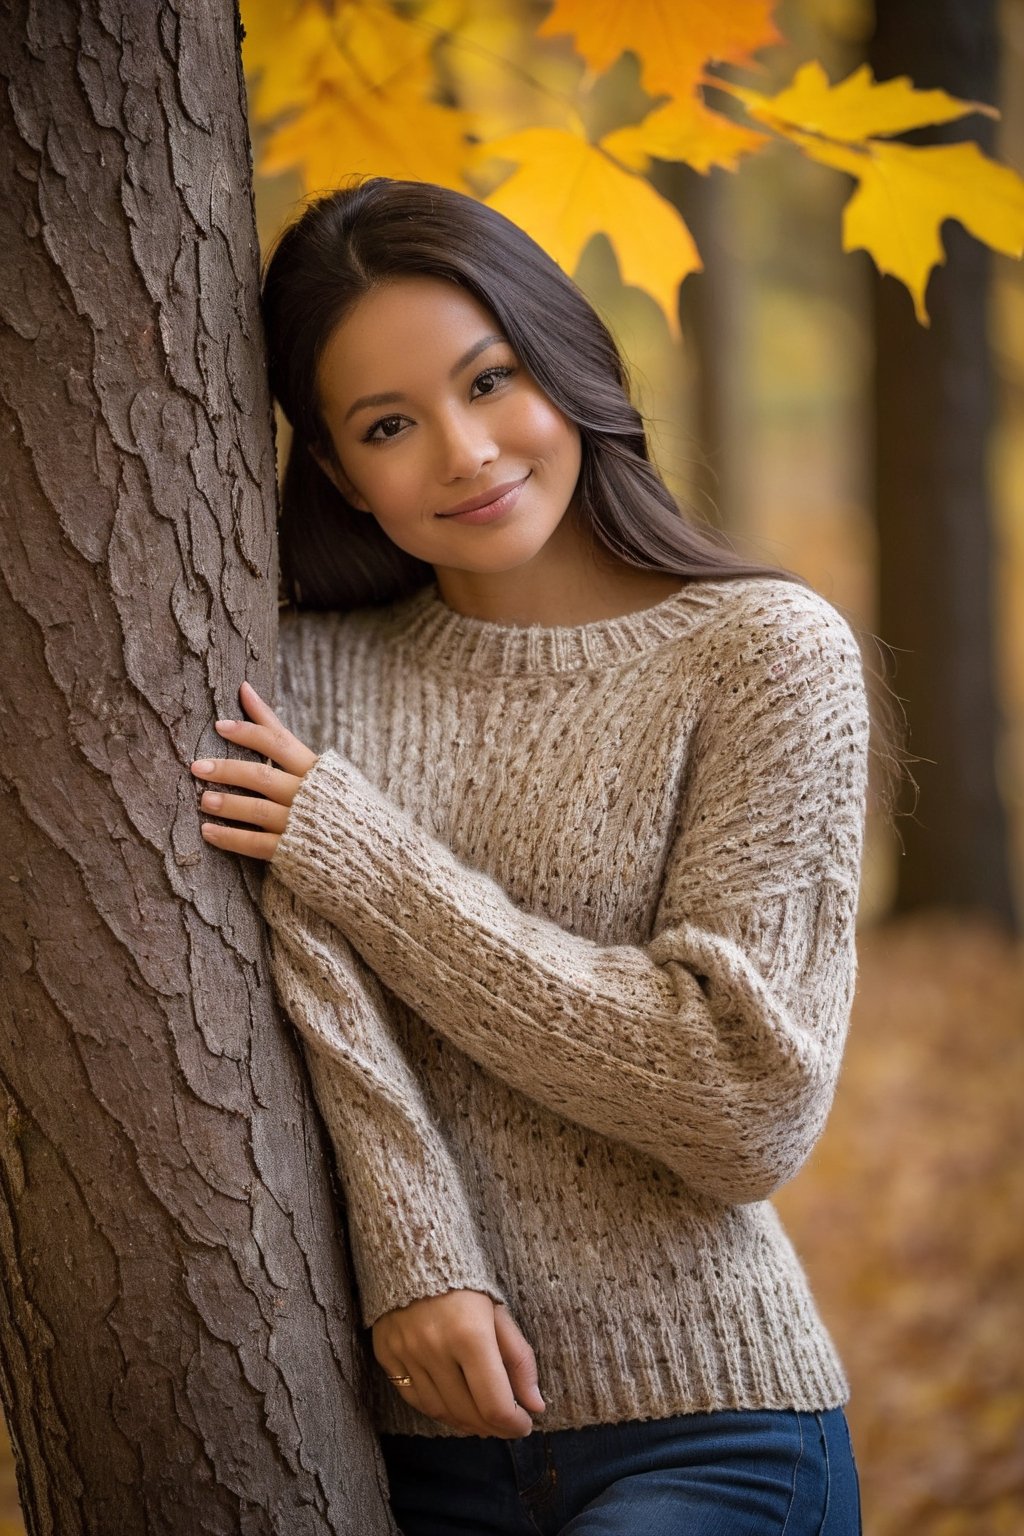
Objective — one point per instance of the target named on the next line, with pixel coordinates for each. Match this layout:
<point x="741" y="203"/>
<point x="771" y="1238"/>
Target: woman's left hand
<point x="276" y="787"/>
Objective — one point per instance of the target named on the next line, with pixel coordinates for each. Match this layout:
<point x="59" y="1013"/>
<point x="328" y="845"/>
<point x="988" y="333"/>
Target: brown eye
<point x="492" y="377"/>
<point x="384" y="424"/>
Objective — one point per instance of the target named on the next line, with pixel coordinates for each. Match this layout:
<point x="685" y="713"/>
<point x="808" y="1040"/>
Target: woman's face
<point x="428" y="407"/>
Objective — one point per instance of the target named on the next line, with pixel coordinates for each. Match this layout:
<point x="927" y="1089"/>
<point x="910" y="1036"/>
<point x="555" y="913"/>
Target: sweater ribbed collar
<point x="441" y="637"/>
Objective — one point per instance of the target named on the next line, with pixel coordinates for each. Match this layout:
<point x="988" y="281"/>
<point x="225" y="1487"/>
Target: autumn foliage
<point x="480" y="97"/>
<point x="908" y="1218"/>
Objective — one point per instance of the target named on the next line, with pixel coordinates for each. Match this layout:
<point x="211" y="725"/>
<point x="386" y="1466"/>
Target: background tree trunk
<point x="712" y="315"/>
<point x="176" y="1342"/>
<point x="933" y="412"/>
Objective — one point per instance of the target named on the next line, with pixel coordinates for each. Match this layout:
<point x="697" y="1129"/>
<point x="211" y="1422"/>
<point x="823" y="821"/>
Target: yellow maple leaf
<point x="683" y="130"/>
<point x="905" y="193"/>
<point x="500" y="76"/>
<point x="284" y="76"/>
<point x="857" y="108"/>
<point x="672" y="42"/>
<point x="566" y="190"/>
<point x="397" y="132"/>
<point x="357" y="82"/>
<point x="293" y="47"/>
<point x="381" y="42"/>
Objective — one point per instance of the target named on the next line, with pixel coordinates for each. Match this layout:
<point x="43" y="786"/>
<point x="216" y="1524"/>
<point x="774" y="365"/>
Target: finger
<point x="284" y="748"/>
<point x="255" y="706"/>
<point x="477" y="1393"/>
<point x="269" y="782"/>
<point x="425" y="1395"/>
<point x="422" y="1394"/>
<point x="269" y="741"/>
<point x="255" y="845"/>
<point x="519" y="1360"/>
<point x="441" y="1392"/>
<point x="481" y="1365"/>
<point x="248" y="808"/>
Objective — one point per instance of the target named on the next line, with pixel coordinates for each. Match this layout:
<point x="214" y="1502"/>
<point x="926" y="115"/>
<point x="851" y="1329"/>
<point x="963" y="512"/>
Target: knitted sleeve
<point x="715" y="1046"/>
<point x="411" y="1231"/>
<point x="410" y="1228"/>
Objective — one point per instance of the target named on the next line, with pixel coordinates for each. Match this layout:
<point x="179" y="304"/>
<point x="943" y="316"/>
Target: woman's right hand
<point x="471" y="1367"/>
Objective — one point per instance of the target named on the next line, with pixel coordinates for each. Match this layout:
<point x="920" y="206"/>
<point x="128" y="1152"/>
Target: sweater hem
<point x="648" y="1376"/>
<point x="404" y="1420"/>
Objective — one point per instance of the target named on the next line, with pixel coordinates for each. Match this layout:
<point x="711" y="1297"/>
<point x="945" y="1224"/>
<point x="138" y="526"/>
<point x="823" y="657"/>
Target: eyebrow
<point x="394" y="397"/>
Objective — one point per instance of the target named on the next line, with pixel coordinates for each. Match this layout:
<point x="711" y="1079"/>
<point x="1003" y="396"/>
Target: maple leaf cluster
<point x="462" y="92"/>
<point x="468" y="94"/>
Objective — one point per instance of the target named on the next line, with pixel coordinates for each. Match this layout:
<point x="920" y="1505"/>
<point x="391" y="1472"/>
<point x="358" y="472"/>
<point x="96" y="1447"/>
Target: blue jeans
<point x="754" y="1472"/>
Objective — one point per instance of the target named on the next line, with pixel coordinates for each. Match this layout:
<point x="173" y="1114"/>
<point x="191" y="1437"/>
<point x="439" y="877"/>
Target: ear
<point x="338" y="479"/>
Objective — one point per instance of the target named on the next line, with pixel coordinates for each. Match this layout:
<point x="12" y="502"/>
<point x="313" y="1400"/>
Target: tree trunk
<point x="933" y="411"/>
<point x="177" y="1342"/>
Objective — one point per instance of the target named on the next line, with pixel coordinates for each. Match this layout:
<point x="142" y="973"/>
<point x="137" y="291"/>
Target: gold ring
<point x="400" y="1381"/>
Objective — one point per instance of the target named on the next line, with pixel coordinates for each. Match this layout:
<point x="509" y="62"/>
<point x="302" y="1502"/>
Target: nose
<point x="466" y="447"/>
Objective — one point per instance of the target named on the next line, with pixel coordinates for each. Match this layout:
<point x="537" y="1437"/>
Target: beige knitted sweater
<point x="565" y="918"/>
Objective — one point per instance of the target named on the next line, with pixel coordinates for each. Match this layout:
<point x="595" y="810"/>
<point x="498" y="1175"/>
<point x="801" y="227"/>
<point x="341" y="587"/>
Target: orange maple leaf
<point x="356" y="83"/>
<point x="381" y="133"/>
<point x="673" y="42"/>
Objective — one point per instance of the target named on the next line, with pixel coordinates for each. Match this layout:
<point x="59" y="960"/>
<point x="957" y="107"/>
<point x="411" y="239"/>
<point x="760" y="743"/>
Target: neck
<point x="573" y="580"/>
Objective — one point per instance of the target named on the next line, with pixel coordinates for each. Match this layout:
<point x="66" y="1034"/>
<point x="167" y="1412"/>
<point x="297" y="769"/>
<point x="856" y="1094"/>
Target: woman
<point x="564" y="844"/>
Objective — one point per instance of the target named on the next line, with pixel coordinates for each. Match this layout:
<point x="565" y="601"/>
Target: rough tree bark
<point x="933" y="413"/>
<point x="177" y="1348"/>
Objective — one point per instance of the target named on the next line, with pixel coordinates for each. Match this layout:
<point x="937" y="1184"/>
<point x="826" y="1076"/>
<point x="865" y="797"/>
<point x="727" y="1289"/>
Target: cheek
<point x="552" y="437"/>
<point x="387" y="483"/>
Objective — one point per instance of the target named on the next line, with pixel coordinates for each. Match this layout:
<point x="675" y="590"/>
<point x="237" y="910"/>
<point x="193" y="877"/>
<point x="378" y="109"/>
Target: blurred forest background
<point x="765" y="420"/>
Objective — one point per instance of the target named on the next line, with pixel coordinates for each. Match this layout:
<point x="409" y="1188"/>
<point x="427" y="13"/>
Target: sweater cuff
<point x="337" y="822"/>
<point x="404" y="1257"/>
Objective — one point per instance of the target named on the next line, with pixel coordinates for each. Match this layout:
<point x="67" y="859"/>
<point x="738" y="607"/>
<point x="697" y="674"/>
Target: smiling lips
<point x="489" y="504"/>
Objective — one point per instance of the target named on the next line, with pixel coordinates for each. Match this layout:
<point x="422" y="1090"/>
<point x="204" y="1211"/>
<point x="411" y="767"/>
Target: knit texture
<point x="566" y="920"/>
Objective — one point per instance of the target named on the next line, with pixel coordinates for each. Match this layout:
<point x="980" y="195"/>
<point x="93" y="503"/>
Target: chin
<point x="493" y="563"/>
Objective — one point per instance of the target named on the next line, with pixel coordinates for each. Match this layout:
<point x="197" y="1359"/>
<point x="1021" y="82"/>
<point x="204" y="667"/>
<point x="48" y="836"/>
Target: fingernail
<point x="226" y="725"/>
<point x="204" y="765"/>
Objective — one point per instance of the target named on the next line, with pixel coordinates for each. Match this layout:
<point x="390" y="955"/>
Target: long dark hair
<point x="369" y="232"/>
<point x="375" y="229"/>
